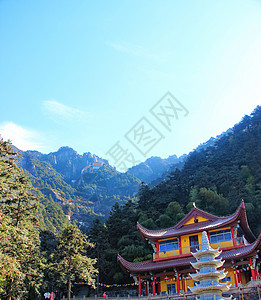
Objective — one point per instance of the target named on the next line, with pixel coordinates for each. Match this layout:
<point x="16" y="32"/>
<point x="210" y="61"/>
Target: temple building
<point x="169" y="269"/>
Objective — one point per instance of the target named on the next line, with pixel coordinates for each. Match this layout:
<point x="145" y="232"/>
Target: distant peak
<point x="66" y="148"/>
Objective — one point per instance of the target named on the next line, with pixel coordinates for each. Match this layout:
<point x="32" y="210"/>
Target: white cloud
<point x="139" y="51"/>
<point x="22" y="138"/>
<point x="64" y="112"/>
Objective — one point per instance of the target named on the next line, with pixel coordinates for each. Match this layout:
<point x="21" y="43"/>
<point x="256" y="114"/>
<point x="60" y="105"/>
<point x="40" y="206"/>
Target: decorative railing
<point x="189" y="249"/>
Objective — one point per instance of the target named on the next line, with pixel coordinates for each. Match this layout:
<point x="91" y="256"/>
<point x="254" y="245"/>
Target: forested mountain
<point x="216" y="178"/>
<point x="85" y="186"/>
<point x="155" y="167"/>
<point x="32" y="258"/>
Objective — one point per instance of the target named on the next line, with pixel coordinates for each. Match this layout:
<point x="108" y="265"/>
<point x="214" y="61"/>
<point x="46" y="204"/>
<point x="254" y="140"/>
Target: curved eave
<point x="244" y="223"/>
<point x="245" y="251"/>
<point x="149" y="265"/>
<point x="133" y="267"/>
<point x="214" y="223"/>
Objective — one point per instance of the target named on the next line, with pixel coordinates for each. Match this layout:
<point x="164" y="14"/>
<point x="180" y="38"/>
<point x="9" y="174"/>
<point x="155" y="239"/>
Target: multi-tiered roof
<point x="239" y="218"/>
<point x="212" y="222"/>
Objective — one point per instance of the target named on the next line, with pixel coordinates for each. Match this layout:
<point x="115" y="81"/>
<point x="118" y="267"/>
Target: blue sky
<point x="83" y="73"/>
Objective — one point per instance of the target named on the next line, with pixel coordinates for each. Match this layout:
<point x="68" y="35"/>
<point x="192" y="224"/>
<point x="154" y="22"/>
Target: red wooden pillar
<point x="239" y="276"/>
<point x="139" y="285"/>
<point x="153" y="286"/>
<point x="157" y="249"/>
<point x="235" y="274"/>
<point x="208" y="238"/>
<point x="256" y="273"/>
<point x="180" y="246"/>
<point x="233" y="236"/>
<point x="178" y="283"/>
<point x="253" y="273"/>
<point x="146" y="288"/>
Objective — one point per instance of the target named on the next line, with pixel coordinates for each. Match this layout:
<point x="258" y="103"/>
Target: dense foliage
<point x="38" y="251"/>
<point x="70" y="261"/>
<point x="216" y="178"/>
<point x="27" y="253"/>
<point x="68" y="178"/>
<point x="19" y="248"/>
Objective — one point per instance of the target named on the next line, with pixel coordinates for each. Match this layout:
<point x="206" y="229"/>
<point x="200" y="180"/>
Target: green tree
<point x="212" y="201"/>
<point x="71" y="260"/>
<point x="21" y="245"/>
<point x="9" y="267"/>
<point x="175" y="212"/>
<point x="99" y="237"/>
<point x="164" y="221"/>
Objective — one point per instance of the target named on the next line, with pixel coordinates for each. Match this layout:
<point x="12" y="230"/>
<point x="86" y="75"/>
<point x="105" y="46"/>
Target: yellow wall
<point x="166" y="254"/>
<point x="192" y="220"/>
<point x="189" y="282"/>
<point x="163" y="283"/>
<point x="223" y="244"/>
<point x="243" y="277"/>
<point x="185" y="242"/>
<point x="231" y="275"/>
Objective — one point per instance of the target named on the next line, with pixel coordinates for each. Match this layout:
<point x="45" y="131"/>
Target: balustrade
<point x="188" y="249"/>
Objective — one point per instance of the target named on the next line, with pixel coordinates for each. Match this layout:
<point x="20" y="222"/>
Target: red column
<point x="139" y="285"/>
<point x="157" y="249"/>
<point x="153" y="286"/>
<point x="235" y="274"/>
<point x="180" y="247"/>
<point x="146" y="288"/>
<point x="208" y="237"/>
<point x="233" y="236"/>
<point x="256" y="273"/>
<point x="178" y="283"/>
<point x="239" y="276"/>
<point x="252" y="269"/>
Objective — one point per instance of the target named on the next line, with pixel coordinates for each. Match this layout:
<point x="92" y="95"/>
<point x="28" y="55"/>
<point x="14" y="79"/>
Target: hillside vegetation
<point x="216" y="178"/>
<point x="81" y="192"/>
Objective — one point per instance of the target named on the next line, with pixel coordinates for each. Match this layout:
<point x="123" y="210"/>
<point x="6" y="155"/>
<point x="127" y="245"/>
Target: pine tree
<point x="71" y="260"/>
<point x="99" y="237"/>
<point x="18" y="233"/>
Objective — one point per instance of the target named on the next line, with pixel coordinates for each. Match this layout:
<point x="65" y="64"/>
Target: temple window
<point x="169" y="245"/>
<point x="171" y="288"/>
<point x="220" y="236"/>
<point x="193" y="241"/>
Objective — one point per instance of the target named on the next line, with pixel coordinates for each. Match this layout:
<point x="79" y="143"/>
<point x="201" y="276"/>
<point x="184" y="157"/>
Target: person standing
<point x="52" y="296"/>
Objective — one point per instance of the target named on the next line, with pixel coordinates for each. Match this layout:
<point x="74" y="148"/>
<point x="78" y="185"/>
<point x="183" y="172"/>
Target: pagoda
<point x="209" y="287"/>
